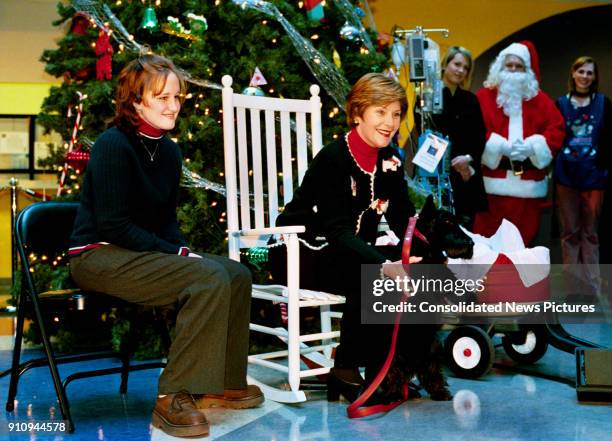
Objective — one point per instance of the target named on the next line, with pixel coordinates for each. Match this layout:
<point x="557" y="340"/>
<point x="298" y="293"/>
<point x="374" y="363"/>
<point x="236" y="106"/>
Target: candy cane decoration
<point x="284" y="313"/>
<point x="75" y="130"/>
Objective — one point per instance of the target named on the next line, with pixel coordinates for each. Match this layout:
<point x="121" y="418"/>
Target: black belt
<point x="517" y="167"/>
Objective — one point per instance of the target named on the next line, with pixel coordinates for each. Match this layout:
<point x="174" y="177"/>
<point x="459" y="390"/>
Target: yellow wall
<point x="5" y="236"/>
<point x="474" y="24"/>
<point x="22" y="98"/>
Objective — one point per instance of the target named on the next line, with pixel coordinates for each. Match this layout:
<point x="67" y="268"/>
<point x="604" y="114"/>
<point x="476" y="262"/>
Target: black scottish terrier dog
<point x="444" y="236"/>
<point x="418" y="352"/>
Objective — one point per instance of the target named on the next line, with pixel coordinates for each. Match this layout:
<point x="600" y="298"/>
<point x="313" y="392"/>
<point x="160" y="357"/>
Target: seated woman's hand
<point x="396" y="269"/>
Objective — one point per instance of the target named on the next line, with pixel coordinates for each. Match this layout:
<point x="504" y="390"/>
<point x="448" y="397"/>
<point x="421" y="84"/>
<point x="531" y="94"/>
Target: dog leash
<point x="354" y="410"/>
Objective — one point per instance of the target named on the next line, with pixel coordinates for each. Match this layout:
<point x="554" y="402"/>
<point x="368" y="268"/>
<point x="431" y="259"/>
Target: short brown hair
<point x="147" y="73"/>
<point x="581" y="61"/>
<point x="451" y="53"/>
<point x="373" y="89"/>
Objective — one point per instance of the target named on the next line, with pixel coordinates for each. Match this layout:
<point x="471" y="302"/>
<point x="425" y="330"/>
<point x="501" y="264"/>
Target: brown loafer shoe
<point x="246" y="398"/>
<point x="177" y="415"/>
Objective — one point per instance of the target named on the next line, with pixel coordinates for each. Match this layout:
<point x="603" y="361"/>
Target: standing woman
<point x="461" y="121"/>
<point x="581" y="172"/>
<point x="126" y="243"/>
<point x="348" y="188"/>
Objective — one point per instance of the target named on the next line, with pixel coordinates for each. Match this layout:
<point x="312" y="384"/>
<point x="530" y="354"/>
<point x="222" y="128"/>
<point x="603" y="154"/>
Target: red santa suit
<point x="513" y="195"/>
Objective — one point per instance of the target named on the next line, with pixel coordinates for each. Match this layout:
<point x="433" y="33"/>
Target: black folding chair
<point x="44" y="228"/>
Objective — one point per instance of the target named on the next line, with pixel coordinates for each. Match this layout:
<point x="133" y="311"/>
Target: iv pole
<point x="421" y="74"/>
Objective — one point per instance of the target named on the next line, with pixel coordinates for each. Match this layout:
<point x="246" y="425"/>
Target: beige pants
<point x="209" y="351"/>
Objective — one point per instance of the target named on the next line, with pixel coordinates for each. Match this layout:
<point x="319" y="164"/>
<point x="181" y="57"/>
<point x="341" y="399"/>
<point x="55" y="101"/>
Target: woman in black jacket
<point x="461" y="121"/>
<point x="353" y="187"/>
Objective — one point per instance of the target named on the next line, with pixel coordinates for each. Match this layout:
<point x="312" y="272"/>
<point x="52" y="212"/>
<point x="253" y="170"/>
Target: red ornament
<point x="383" y="39"/>
<point x="78" y="158"/>
<point x="104" y="52"/>
<point x="80" y="23"/>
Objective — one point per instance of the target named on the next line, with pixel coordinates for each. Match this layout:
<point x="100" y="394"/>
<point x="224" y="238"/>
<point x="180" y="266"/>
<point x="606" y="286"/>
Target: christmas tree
<point x="234" y="40"/>
<point x="207" y="39"/>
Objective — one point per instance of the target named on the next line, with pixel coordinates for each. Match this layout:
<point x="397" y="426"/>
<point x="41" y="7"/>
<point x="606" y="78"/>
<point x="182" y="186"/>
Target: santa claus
<point x="524" y="131"/>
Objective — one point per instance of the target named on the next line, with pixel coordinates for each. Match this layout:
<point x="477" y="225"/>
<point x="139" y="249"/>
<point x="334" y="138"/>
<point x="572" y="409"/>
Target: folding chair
<point x="33" y="235"/>
<point x="253" y="188"/>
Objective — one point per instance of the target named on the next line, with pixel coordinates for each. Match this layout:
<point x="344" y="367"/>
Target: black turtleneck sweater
<point x="128" y="199"/>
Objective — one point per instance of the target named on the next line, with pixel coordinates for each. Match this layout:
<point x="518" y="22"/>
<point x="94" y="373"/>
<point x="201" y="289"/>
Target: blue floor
<point x="504" y="405"/>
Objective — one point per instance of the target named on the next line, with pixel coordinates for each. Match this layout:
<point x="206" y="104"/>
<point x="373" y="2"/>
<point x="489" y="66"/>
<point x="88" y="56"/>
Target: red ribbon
<point x="354" y="410"/>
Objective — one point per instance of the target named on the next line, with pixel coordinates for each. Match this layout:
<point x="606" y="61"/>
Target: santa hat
<point x="526" y="51"/>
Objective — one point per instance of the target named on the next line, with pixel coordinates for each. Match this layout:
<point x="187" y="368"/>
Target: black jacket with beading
<point x="344" y="204"/>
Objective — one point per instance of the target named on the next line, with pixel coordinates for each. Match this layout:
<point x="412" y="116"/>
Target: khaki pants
<point x="579" y="213"/>
<point x="209" y="351"/>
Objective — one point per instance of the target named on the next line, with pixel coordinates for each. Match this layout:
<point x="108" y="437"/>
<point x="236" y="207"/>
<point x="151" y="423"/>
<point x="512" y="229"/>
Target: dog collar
<point x="420" y="235"/>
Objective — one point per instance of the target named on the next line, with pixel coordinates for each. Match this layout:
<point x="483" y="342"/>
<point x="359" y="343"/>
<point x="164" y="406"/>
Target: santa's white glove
<point x="521" y="150"/>
<point x="506" y="148"/>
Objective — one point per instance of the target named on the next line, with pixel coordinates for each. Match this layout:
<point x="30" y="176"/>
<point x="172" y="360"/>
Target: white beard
<point x="513" y="88"/>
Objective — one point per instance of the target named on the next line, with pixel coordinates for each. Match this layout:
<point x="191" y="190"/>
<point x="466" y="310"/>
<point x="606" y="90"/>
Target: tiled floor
<point x="504" y="405"/>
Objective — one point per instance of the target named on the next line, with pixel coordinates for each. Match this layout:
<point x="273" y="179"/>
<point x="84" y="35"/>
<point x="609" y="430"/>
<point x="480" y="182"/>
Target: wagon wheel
<point x="526" y="346"/>
<point x="469" y="352"/>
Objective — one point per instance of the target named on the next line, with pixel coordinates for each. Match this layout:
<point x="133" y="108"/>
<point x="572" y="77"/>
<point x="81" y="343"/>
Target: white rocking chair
<point x="252" y="209"/>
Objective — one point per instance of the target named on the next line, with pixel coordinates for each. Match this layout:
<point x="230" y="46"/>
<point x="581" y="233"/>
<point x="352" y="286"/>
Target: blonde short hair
<point x="373" y="89"/>
<point x="451" y="53"/>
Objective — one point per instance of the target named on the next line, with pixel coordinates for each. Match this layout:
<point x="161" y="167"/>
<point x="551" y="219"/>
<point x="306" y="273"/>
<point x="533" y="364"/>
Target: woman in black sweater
<point x="349" y="187"/>
<point x="461" y="121"/>
<point x="126" y="243"/>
